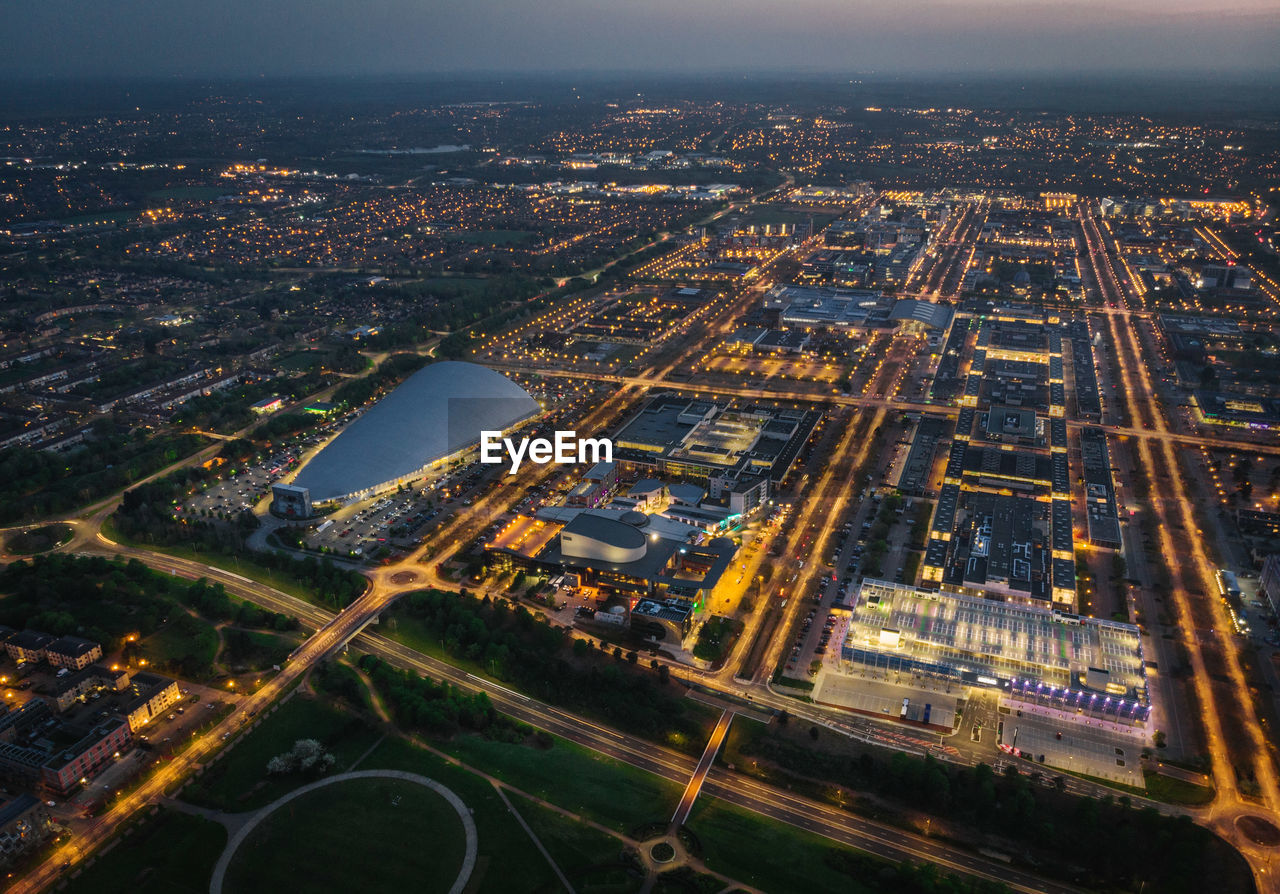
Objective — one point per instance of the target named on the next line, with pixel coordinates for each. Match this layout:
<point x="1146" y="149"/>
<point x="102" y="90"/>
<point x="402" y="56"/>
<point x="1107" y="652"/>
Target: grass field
<point x="1176" y="791"/>
<point x="242" y="565"/>
<point x="170" y="853"/>
<point x="768" y="855"/>
<point x="358" y="835"/>
<point x="588" y="857"/>
<point x="508" y="862"/>
<point x="414" y="633"/>
<point x="239" y="781"/>
<point x="186" y="641"/>
<point x="716" y="638"/>
<point x="610" y="792"/>
<point x="253" y="650"/>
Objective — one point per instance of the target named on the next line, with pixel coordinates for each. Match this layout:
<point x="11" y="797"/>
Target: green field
<point x="417" y="634"/>
<point x="243" y="565"/>
<point x="239" y="780"/>
<point x="508" y="861"/>
<point x="588" y="857"/>
<point x="769" y="855"/>
<point x="610" y="792"/>
<point x="716" y="638"/>
<point x="170" y="853"/>
<point x="1176" y="791"/>
<point x="186" y="643"/>
<point x="302" y="361"/>
<point x="357" y="835"/>
<point x="312" y="360"/>
<point x="250" y="650"/>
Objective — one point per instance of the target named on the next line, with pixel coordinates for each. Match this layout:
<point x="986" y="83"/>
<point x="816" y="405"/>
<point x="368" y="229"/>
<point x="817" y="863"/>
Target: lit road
<point x="700" y="771"/>
<point x="888" y="402"/>
<point x="882" y="840"/>
<point x="162" y="780"/>
<point x="825" y="505"/>
<point x="1173" y="504"/>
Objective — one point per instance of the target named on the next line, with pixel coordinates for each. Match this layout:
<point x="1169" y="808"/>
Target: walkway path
<point x="468" y="824"/>
<point x="700" y="772"/>
<point x="555" y="867"/>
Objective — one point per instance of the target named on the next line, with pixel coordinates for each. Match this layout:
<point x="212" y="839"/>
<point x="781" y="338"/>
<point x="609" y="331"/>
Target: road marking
<point x="503" y="689"/>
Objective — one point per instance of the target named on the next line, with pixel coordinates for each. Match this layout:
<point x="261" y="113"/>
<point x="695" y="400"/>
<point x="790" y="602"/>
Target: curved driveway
<point x="468" y="824"/>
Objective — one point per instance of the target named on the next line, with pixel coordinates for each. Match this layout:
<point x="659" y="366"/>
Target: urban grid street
<point x="917" y="525"/>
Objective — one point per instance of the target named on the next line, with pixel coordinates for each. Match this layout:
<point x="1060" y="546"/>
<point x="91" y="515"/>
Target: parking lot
<point x="815" y="639"/>
<point x="367" y="528"/>
<point x="933" y="702"/>
<point x="1074" y="743"/>
<point x="243" y="487"/>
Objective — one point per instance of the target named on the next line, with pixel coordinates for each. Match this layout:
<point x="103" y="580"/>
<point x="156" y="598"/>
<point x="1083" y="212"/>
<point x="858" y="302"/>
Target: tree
<point x="306" y="756"/>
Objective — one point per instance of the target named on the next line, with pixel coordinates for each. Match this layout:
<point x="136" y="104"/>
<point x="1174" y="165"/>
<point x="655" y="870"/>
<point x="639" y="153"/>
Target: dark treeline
<point x="1112" y="844"/>
<point x="145" y="516"/>
<point x="389" y="373"/>
<point x="521" y="649"/>
<point x="36" y="483"/>
<point x="283" y="425"/>
<point x="107" y="601"/>
<point x="436" y="708"/>
<point x="226" y="411"/>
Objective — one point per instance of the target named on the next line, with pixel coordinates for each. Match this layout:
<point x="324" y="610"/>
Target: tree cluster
<point x="307" y="756"/>
<point x="436" y="708"/>
<point x="390" y="372"/>
<point x="35" y="483"/>
<point x="1112" y="844"/>
<point x="526" y="652"/>
<point x="145" y="516"/>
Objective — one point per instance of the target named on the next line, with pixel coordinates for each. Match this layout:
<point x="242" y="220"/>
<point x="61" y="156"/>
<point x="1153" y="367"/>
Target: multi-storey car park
<point x="1082" y="665"/>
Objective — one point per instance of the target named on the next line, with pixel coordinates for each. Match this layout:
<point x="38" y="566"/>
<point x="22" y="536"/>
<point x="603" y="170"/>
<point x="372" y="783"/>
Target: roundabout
<point x="662" y="852"/>
<point x="408" y="827"/>
<point x="1258" y="830"/>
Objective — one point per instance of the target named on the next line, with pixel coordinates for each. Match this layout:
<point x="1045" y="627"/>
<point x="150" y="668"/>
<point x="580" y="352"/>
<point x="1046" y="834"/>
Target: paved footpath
<point x="468" y="824"/>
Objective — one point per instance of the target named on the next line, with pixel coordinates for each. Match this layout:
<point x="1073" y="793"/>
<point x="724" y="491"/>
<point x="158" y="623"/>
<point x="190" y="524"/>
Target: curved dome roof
<point x="437" y="411"/>
<point x="591" y="536"/>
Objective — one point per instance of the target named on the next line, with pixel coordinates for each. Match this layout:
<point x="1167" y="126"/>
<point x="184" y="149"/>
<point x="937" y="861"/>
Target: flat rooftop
<point x="1004" y="641"/>
<point x="694" y="434"/>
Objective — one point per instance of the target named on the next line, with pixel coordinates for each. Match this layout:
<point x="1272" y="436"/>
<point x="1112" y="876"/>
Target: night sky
<point x="130" y="38"/>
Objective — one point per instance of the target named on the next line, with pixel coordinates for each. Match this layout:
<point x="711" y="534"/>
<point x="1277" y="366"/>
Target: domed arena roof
<point x="438" y="411"/>
<point x="634" y="518"/>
